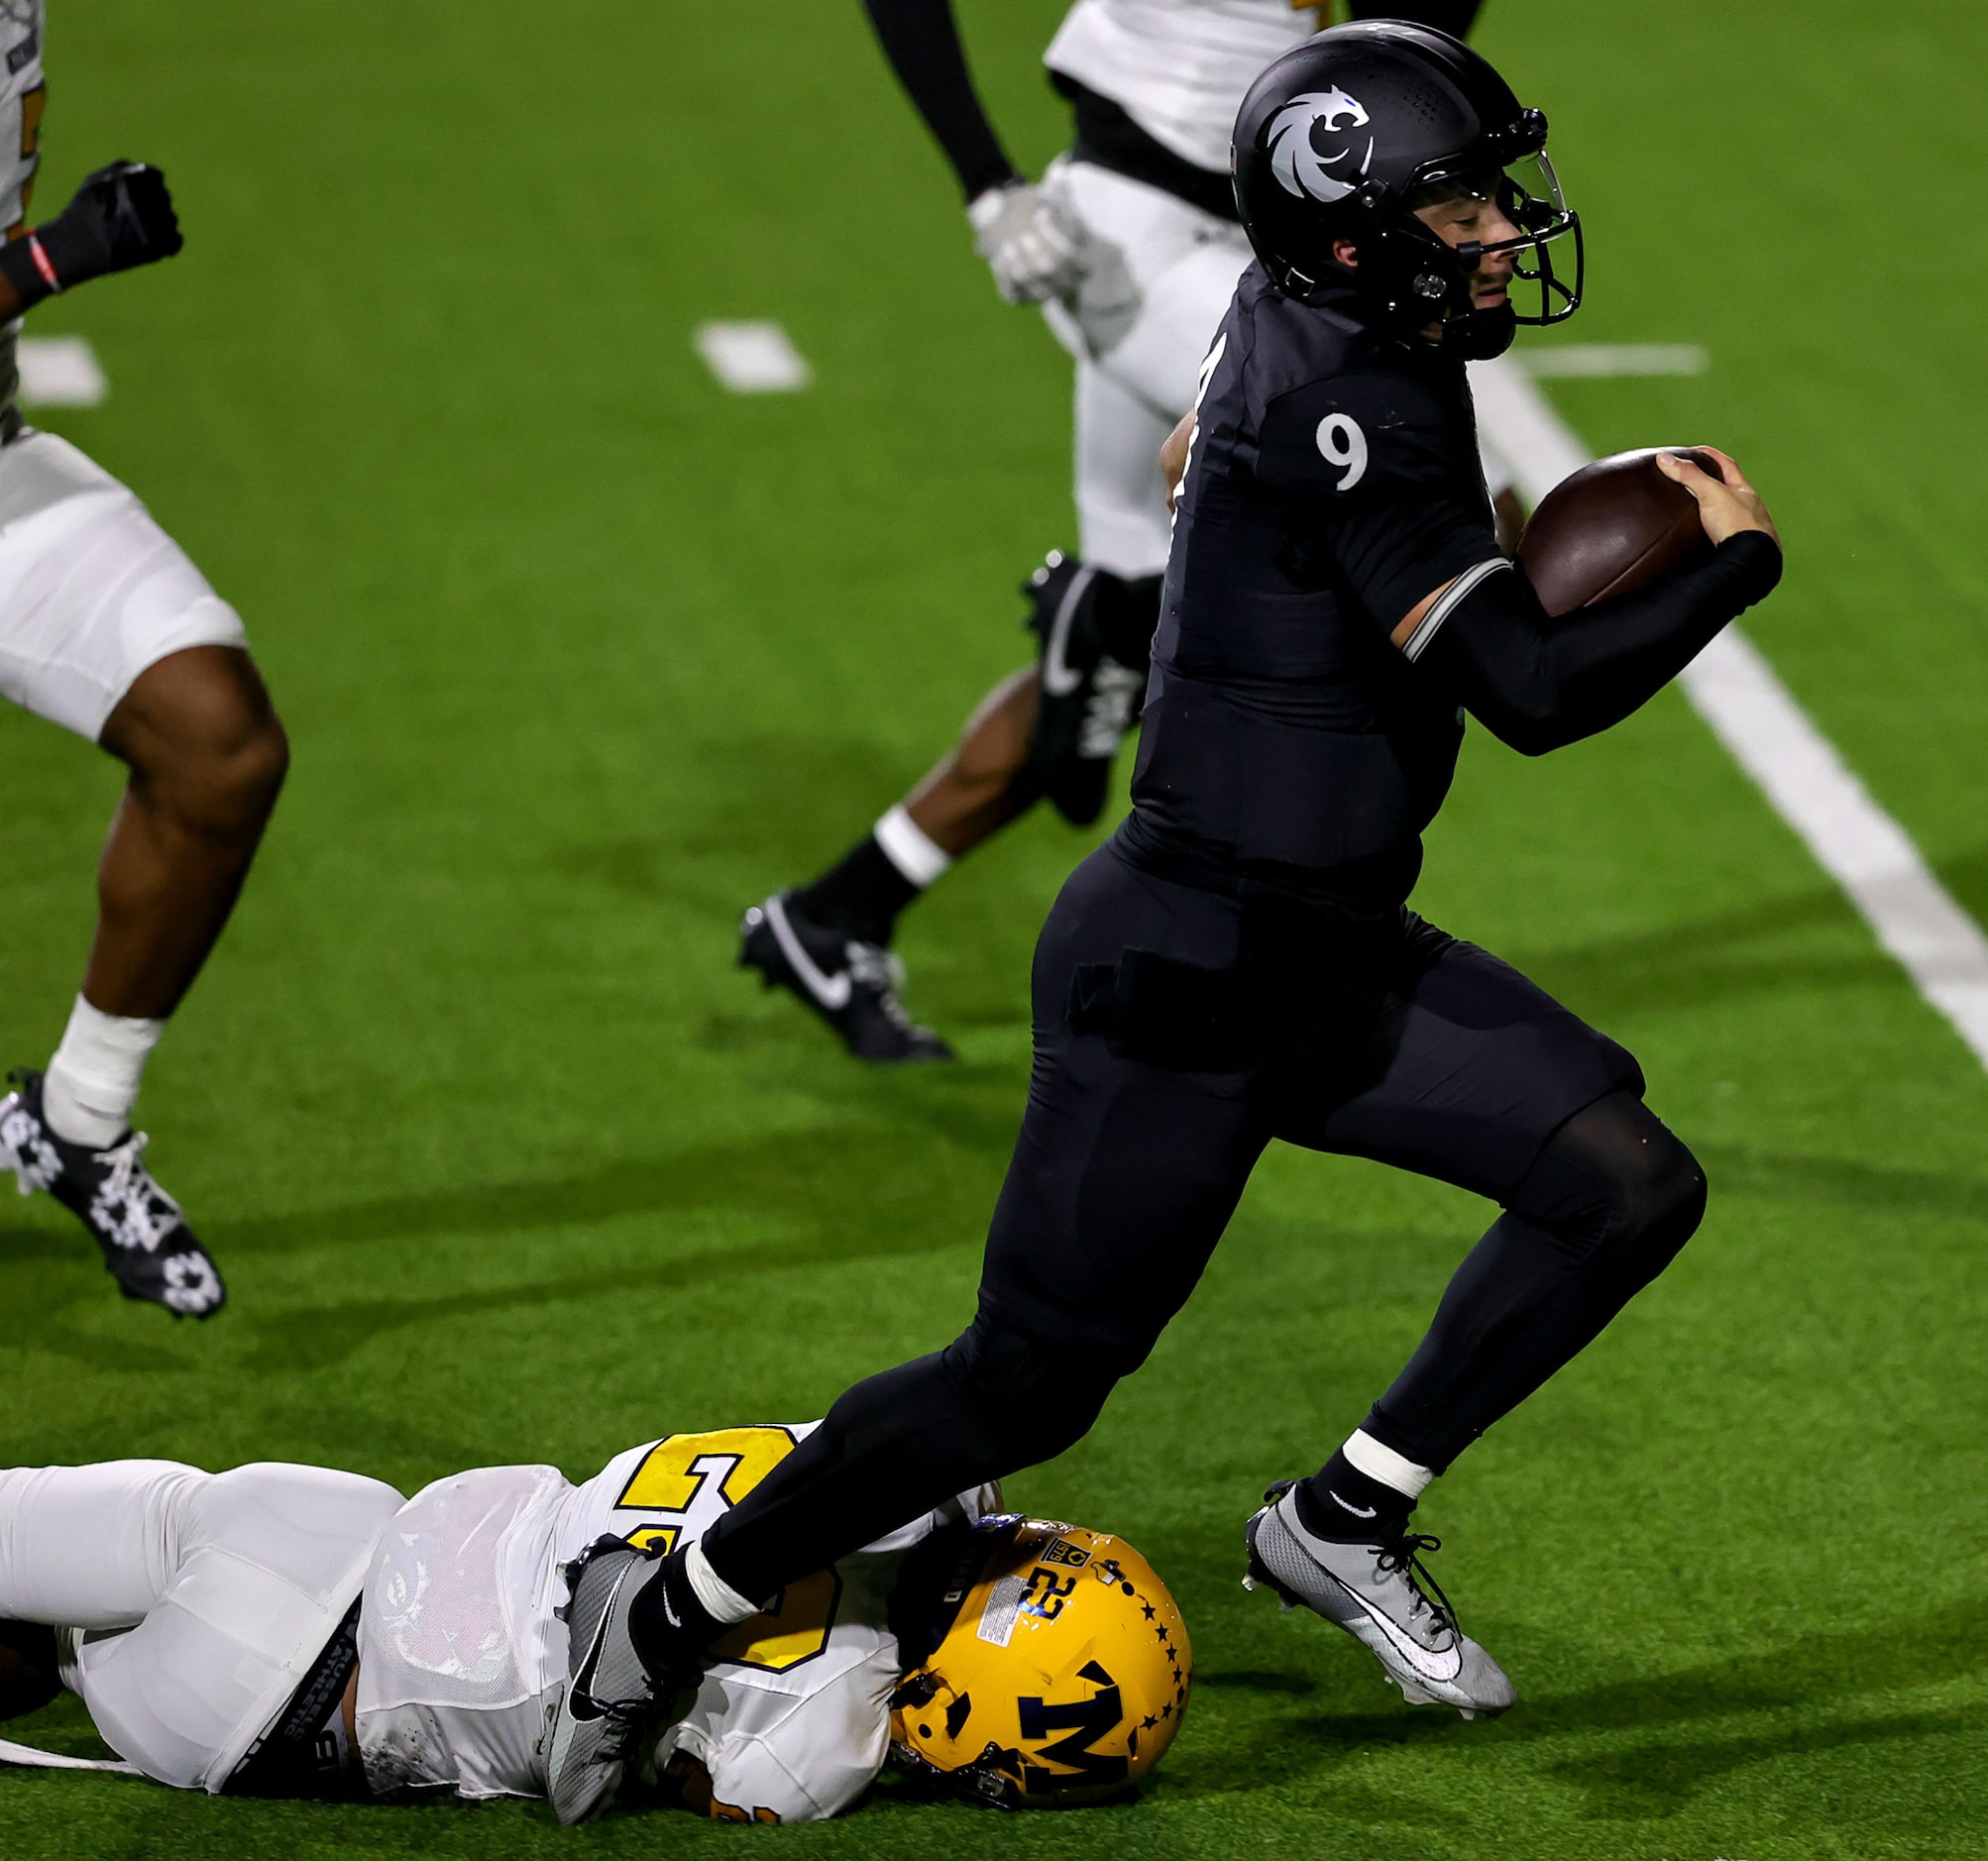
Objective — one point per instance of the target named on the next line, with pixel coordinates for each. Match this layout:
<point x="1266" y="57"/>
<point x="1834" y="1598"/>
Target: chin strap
<point x="1478" y="335"/>
<point x="11" y="1753"/>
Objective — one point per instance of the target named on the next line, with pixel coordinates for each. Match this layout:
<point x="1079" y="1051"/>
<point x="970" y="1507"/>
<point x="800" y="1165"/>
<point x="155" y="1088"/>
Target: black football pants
<point x="1177" y="1031"/>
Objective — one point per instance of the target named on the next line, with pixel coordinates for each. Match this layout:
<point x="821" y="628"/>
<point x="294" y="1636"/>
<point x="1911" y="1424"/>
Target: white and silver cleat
<point x="1377" y="1593"/>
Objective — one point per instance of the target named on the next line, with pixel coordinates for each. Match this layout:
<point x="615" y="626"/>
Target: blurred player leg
<point x="1161" y="274"/>
<point x="108" y="629"/>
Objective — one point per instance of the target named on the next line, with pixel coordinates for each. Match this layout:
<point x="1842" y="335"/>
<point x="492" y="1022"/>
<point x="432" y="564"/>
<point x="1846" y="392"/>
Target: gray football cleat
<point x="1376" y="1593"/>
<point x="609" y="1700"/>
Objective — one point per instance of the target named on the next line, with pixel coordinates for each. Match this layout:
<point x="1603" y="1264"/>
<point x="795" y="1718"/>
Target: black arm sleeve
<point x="1539" y="684"/>
<point x="921" y="42"/>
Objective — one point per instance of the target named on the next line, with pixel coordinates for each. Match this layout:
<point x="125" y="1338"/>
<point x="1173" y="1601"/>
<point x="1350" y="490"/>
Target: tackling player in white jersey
<point x="1132" y="244"/>
<point x="285" y="1630"/>
<point x="108" y="629"/>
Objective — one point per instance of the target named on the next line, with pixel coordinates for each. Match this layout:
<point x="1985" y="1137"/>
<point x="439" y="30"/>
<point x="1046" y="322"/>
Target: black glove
<point x="121" y="217"/>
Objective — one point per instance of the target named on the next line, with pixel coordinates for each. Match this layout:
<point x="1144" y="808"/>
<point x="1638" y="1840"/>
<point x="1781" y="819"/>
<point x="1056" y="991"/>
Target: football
<point x="1612" y="528"/>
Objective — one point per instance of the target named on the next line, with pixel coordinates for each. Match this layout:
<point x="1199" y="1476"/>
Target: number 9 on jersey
<point x="1342" y="443"/>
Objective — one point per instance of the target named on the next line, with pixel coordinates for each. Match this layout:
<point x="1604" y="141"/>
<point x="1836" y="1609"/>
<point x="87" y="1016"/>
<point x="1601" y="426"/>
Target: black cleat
<point x="850" y="984"/>
<point x="144" y="1239"/>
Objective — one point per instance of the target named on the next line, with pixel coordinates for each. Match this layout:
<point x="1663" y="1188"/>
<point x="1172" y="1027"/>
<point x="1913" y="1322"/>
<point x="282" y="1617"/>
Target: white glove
<point x="1029" y="242"/>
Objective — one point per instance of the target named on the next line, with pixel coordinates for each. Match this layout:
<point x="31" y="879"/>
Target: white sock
<point x="723" y="1603"/>
<point x="912" y="850"/>
<point x="1385" y="1466"/>
<point x="92" y="1082"/>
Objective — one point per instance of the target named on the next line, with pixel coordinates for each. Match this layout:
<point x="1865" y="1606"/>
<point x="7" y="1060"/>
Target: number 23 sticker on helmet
<point x="1059" y="1677"/>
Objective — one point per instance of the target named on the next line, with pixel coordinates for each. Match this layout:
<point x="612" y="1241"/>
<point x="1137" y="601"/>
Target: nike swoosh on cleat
<point x="1410" y="1650"/>
<point x="580" y="1700"/>
<point x="832" y="992"/>
<point x="1357" y="1511"/>
<point x="1058" y="679"/>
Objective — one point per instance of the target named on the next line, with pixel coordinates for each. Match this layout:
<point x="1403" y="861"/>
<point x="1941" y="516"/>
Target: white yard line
<point x="1756" y="717"/>
<point x="752" y="358"/>
<point x="1601" y="359"/>
<point x="59" y="371"/>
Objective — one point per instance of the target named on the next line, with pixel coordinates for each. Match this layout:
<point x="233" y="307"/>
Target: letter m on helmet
<point x="1088" y="1721"/>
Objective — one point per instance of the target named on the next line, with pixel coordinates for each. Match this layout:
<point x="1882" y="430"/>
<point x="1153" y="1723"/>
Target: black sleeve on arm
<point x="921" y="42"/>
<point x="1538" y="683"/>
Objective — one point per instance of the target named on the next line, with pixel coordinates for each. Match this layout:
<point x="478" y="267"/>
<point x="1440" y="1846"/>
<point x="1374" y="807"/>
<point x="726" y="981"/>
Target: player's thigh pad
<point x="271" y="1556"/>
<point x="1466" y="1073"/>
<point x="1126" y="1170"/>
<point x="92" y="591"/>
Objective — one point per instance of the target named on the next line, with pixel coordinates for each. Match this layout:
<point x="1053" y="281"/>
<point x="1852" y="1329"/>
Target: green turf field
<point x="579" y="655"/>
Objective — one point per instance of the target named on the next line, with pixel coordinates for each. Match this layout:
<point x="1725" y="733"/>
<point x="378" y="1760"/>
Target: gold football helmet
<point x="1060" y="1671"/>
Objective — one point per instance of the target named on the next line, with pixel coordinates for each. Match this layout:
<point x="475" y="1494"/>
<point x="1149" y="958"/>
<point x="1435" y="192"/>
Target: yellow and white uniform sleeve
<point x="781" y="1752"/>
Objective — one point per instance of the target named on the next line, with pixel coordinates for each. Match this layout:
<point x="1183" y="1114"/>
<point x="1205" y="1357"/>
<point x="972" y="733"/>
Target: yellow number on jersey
<point x="671" y="1474"/>
<point x="674" y="1473"/>
<point x="794" y="1630"/>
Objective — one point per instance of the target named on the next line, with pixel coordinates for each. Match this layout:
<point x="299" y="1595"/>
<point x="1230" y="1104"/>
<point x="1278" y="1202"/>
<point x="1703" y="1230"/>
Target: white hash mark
<point x="752" y="358"/>
<point x="59" y="371"/>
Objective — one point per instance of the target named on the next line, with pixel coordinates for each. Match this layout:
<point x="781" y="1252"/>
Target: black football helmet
<point x="1345" y="135"/>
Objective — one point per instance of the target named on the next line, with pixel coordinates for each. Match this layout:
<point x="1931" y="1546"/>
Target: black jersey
<point x="1333" y="482"/>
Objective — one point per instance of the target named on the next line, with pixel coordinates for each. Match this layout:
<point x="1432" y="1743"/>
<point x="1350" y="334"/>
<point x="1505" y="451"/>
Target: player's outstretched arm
<point x="1538" y="683"/>
<point x="121" y="217"/>
<point x="1027" y="239"/>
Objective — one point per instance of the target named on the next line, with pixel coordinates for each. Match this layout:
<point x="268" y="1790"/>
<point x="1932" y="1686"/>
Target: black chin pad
<point x="1478" y="335"/>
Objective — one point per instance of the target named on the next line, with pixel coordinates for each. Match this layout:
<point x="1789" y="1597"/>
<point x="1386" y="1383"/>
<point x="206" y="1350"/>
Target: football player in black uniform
<point x="1239" y="963"/>
<point x="1131" y="245"/>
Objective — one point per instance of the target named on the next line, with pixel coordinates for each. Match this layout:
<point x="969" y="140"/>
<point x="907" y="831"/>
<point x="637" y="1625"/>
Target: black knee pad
<point x="1095" y="632"/>
<point x="1615" y="1179"/>
<point x="1028" y="1401"/>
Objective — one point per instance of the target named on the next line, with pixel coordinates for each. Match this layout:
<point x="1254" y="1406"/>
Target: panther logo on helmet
<point x="1294" y="158"/>
<point x="1061" y="1674"/>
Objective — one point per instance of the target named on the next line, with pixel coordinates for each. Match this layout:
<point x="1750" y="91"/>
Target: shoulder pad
<point x="1359" y="430"/>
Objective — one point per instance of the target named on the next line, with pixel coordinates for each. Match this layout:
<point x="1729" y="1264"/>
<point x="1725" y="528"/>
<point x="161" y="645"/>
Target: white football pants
<point x="1161" y="276"/>
<point x="201" y="1600"/>
<point x="92" y="591"/>
<point x="1159" y="283"/>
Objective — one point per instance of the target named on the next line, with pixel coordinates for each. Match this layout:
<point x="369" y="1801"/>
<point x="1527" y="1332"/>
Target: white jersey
<point x="1178" y="68"/>
<point x="462" y="1661"/>
<point x="22" y="91"/>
